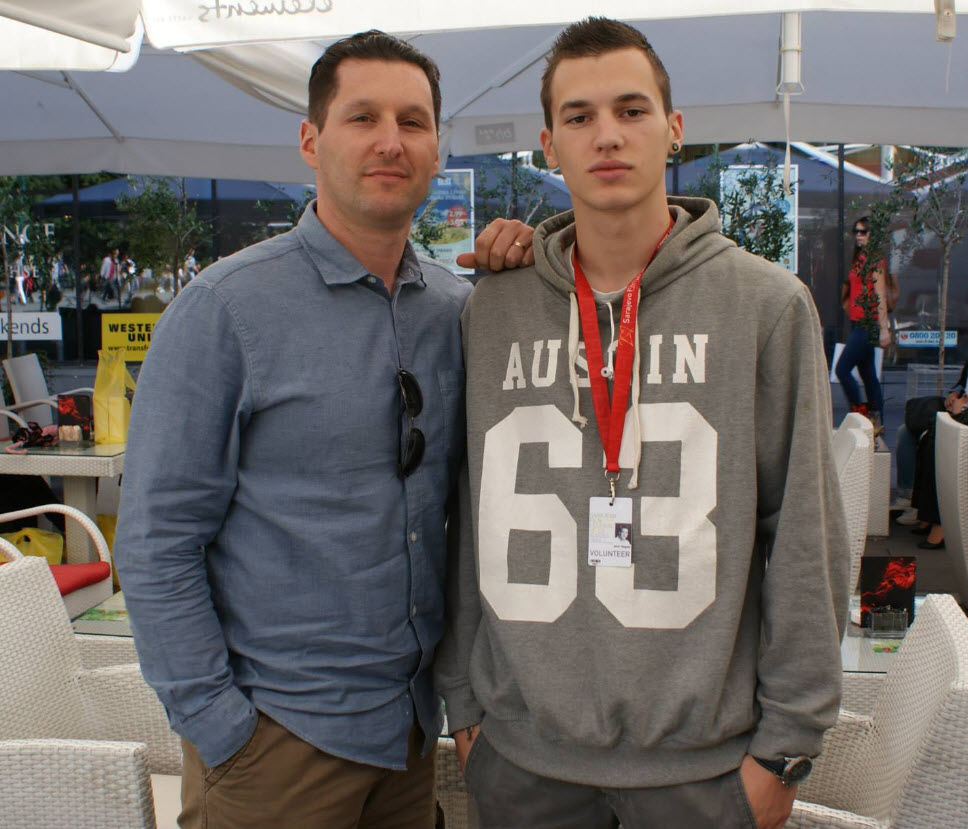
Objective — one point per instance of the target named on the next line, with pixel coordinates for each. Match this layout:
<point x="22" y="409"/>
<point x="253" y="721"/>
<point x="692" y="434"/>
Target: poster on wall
<point x="443" y="225"/>
<point x="759" y="199"/>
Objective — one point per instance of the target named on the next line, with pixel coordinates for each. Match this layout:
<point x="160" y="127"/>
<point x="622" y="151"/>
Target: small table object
<point x="110" y="618"/>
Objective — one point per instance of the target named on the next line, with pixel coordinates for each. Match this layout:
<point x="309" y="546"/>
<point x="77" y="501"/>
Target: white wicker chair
<point x="84" y="598"/>
<point x="951" y="474"/>
<point x="905" y="765"/>
<point x="7" y="415"/>
<point x="33" y="398"/>
<point x="853" y="455"/>
<point x="459" y="809"/>
<point x="76" y="746"/>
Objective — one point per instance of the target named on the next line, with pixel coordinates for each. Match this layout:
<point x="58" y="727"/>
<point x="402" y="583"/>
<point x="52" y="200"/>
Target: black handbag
<point x="920" y="413"/>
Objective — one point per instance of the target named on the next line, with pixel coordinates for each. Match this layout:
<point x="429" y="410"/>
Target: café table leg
<point x="80" y="493"/>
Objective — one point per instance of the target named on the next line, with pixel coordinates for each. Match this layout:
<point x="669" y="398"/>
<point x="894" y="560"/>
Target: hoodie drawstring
<point x="636" y="400"/>
<point x="576" y="416"/>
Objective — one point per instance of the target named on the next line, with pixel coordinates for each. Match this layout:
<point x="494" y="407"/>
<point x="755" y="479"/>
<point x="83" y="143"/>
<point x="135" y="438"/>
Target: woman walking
<point x="864" y="292"/>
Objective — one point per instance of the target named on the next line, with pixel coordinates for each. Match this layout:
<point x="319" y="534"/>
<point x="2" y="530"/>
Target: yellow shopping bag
<point x="112" y="407"/>
<point x="108" y="524"/>
<point x="34" y="542"/>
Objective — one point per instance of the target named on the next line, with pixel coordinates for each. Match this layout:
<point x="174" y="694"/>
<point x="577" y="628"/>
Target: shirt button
<point x="413" y="536"/>
<point x="413" y="612"/>
<point x="371" y="279"/>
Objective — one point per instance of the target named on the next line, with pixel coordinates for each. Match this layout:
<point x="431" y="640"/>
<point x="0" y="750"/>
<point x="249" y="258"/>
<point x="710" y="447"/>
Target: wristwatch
<point x="790" y="770"/>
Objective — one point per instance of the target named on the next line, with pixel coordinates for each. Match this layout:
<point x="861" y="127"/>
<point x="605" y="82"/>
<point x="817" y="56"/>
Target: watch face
<point x="797" y="769"/>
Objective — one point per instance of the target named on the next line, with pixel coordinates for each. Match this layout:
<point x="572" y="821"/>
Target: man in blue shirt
<point x="294" y="443"/>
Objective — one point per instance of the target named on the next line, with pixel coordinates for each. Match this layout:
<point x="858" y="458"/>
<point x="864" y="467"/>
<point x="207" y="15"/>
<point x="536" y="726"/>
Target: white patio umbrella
<point x="870" y="72"/>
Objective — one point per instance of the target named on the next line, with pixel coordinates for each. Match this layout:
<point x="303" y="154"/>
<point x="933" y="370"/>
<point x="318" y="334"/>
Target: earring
<point x="675" y="147"/>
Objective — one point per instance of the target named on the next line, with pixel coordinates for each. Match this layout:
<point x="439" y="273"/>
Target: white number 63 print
<point x="683" y="516"/>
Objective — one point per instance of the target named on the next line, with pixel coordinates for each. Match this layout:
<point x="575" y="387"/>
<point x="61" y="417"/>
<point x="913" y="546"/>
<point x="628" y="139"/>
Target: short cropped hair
<point x="371" y="45"/>
<point x="597" y="36"/>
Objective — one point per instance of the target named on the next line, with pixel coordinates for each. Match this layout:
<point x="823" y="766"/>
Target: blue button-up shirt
<point x="270" y="556"/>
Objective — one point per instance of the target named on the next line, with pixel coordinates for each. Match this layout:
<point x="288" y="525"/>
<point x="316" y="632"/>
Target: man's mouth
<point x="609" y="164"/>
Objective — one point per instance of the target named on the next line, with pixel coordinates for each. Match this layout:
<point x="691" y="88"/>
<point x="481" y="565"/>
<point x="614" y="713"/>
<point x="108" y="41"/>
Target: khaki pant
<point x="278" y="781"/>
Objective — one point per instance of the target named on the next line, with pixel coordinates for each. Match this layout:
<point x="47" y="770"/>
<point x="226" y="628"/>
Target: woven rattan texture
<point x="62" y="784"/>
<point x="39" y="659"/>
<point x="853" y="456"/>
<point x="951" y="468"/>
<point x="452" y="793"/>
<point x="906" y="764"/>
<point x="102" y="651"/>
<point x="76" y="745"/>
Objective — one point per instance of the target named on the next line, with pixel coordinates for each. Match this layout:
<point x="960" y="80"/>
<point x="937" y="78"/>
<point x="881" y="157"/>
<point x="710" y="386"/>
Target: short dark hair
<point x="371" y="45"/>
<point x="598" y="36"/>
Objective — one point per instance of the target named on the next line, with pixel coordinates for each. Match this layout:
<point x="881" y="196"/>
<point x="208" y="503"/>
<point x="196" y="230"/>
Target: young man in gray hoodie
<point x="644" y="371"/>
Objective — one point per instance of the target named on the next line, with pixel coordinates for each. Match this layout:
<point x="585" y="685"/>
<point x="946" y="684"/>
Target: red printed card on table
<point x="75" y="410"/>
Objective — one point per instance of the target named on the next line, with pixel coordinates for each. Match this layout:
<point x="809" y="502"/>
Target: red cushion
<point x="71" y="577"/>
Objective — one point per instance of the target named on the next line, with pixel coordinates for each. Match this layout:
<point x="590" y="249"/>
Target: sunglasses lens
<point x="413" y="404"/>
<point x="414" y="452"/>
<point x="410" y="389"/>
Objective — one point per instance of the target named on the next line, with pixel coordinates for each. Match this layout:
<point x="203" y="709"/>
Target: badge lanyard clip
<point x="612" y="478"/>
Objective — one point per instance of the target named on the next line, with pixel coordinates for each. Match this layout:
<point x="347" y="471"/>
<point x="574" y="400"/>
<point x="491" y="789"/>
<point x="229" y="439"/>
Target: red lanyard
<point x="610" y="416"/>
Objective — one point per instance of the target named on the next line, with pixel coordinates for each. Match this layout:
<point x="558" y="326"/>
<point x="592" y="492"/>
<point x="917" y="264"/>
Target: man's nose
<point x="388" y="141"/>
<point x="608" y="135"/>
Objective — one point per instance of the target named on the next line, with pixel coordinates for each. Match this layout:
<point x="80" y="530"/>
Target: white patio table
<point x="78" y="464"/>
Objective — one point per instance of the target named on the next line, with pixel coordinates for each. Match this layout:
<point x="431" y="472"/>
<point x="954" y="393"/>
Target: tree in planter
<point x="930" y="192"/>
<point x="161" y="225"/>
<point x="517" y="193"/>
<point x="752" y="212"/>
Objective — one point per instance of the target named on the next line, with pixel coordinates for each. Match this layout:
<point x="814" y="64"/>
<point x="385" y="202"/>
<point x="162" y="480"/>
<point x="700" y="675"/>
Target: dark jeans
<point x="508" y="797"/>
<point x="858" y="352"/>
<point x="925" y="495"/>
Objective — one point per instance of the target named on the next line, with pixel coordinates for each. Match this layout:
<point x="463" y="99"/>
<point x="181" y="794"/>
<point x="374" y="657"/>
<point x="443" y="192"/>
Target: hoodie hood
<point x="695" y="238"/>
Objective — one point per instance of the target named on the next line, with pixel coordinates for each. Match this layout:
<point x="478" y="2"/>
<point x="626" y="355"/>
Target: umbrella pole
<point x="78" y="287"/>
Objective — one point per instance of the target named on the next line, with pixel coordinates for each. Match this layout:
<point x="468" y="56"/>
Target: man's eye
<point x="635" y="112"/>
<point x="577" y="119"/>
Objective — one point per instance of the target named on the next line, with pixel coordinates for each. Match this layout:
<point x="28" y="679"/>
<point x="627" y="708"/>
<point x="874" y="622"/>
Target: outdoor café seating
<point x="951" y="472"/>
<point x="898" y="756"/>
<point x="81" y="585"/>
<point x="79" y="747"/>
<point x="853" y="453"/>
<point x="33" y="398"/>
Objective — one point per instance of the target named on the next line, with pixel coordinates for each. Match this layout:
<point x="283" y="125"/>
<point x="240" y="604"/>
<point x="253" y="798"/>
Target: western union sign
<point x="132" y="332"/>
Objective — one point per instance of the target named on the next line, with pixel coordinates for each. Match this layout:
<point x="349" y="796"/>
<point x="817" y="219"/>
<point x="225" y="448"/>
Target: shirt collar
<point x="336" y="265"/>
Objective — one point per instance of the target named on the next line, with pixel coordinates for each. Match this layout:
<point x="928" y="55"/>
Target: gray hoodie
<point x="668" y="671"/>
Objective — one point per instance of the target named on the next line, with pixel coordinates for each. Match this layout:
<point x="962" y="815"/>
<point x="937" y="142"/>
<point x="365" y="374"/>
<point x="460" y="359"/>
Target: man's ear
<point x="308" y="134"/>
<point x="547" y="145"/>
<point x="675" y="126"/>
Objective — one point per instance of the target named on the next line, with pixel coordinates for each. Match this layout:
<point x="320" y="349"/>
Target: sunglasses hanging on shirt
<point x="413" y="451"/>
